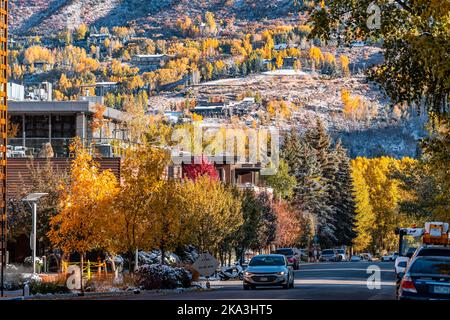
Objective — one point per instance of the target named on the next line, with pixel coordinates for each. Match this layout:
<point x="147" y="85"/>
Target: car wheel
<point x="286" y="286"/>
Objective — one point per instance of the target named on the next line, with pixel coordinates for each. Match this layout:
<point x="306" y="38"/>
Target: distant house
<point x="102" y="88"/>
<point x="284" y="46"/>
<point x="97" y="38"/>
<point x="150" y="62"/>
<point x="41" y="66"/>
<point x="281" y="46"/>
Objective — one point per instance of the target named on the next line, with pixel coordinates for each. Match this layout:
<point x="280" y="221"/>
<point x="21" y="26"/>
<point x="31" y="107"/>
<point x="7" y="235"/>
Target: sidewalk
<point x="12" y="295"/>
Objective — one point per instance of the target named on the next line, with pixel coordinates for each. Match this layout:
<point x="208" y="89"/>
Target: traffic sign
<point x="206" y="264"/>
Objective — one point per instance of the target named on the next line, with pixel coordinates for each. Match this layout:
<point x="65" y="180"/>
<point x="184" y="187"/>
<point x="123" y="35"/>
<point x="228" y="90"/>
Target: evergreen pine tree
<point x="320" y="143"/>
<point x="343" y="199"/>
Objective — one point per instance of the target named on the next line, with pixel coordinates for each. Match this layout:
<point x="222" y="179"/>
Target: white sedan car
<point x="400" y="265"/>
<point x="389" y="257"/>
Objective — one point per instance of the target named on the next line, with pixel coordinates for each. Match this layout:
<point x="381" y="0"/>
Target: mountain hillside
<point x="48" y="15"/>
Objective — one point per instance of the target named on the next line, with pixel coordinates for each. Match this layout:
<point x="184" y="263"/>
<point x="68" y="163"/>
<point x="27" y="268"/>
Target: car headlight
<point x="282" y="273"/>
<point x="246" y="273"/>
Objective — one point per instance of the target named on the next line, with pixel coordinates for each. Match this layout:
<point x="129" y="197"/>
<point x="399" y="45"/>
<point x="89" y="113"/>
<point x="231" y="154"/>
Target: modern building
<point x="100" y="89"/>
<point x="34" y="125"/>
<point x="150" y="62"/>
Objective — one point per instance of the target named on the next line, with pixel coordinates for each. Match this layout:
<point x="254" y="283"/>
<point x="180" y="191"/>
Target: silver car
<point x="269" y="270"/>
<point x="329" y="255"/>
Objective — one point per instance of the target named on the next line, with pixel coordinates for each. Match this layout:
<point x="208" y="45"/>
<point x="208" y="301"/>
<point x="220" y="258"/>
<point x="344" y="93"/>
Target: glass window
<point x="36" y="126"/>
<point x="434" y="252"/>
<point x="431" y="266"/>
<point x="15" y="127"/>
<point x="63" y="126"/>
<point x="267" y="261"/>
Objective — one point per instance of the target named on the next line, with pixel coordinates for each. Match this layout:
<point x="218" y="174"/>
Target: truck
<point x="433" y="233"/>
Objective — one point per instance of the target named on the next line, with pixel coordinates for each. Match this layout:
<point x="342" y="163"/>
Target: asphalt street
<point x="322" y="281"/>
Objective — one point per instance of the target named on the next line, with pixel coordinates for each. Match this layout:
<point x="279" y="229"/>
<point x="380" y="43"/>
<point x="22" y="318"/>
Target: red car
<point x="291" y="256"/>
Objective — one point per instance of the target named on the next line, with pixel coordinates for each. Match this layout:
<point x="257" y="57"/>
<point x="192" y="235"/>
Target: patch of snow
<point x="286" y="72"/>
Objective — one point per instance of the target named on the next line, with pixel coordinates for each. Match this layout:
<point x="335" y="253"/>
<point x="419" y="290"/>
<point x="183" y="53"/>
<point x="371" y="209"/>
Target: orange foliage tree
<point x="288" y="225"/>
<point x="81" y="226"/>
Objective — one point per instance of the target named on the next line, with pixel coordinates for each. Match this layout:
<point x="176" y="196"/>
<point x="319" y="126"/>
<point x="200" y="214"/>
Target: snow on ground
<point x="230" y="81"/>
<point x="286" y="72"/>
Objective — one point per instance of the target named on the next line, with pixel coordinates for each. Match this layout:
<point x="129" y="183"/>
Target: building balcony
<point x="59" y="147"/>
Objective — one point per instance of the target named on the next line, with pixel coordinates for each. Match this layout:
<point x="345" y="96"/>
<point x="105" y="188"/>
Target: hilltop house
<point x="150" y="62"/>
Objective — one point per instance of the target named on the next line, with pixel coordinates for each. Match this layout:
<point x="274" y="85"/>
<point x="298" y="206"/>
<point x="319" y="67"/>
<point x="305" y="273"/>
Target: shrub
<point x="157" y="276"/>
<point x="39" y="287"/>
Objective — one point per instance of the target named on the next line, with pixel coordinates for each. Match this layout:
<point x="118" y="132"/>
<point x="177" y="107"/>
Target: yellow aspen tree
<point x="80" y="226"/>
<point x="279" y="61"/>
<point x="134" y="210"/>
<point x="214" y="212"/>
<point x="345" y="62"/>
<point x="316" y="56"/>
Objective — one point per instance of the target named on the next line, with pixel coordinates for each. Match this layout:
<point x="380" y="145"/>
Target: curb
<point x="108" y="294"/>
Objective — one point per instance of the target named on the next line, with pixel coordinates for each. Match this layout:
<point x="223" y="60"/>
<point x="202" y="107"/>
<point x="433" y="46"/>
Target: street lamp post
<point x="32" y="200"/>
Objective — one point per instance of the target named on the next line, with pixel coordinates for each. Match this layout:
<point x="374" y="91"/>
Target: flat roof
<point x="60" y="107"/>
<point x="150" y="55"/>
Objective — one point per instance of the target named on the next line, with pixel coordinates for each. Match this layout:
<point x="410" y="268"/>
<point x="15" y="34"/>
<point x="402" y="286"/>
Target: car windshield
<point x="431" y="266"/>
<point x="341" y="251"/>
<point x="327" y="252"/>
<point x="286" y="252"/>
<point x="435" y="252"/>
<point x="267" y="261"/>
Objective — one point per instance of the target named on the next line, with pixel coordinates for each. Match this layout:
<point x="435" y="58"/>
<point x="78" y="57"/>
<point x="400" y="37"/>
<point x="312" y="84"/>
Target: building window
<point x="37" y="126"/>
<point x="63" y="126"/>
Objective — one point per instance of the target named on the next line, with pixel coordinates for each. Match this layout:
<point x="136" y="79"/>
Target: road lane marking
<point x="339" y="282"/>
<point x="342" y="269"/>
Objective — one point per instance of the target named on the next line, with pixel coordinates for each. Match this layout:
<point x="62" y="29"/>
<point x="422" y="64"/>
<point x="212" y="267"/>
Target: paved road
<point x="324" y="281"/>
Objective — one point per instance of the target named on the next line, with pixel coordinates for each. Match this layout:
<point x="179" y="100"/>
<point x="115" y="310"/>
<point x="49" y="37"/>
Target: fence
<point x="87" y="268"/>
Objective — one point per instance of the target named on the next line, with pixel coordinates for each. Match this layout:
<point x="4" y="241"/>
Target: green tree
<point x="415" y="41"/>
<point x="427" y="182"/>
<point x="247" y="234"/>
<point x="343" y="199"/>
<point x="282" y="182"/>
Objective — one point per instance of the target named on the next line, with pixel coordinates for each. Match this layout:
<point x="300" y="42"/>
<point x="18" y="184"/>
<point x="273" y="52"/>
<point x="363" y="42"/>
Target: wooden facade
<point x="19" y="170"/>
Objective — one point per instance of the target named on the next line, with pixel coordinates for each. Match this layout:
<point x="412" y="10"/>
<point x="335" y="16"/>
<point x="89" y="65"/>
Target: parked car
<point x="389" y="257"/>
<point x="426" y="278"/>
<point x="356" y="258"/>
<point x="304" y="256"/>
<point x="366" y="256"/>
<point x="435" y="251"/>
<point x="400" y="267"/>
<point x="269" y="270"/>
<point x="341" y="255"/>
<point x="292" y="255"/>
<point x="329" y="255"/>
<point x="423" y="251"/>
